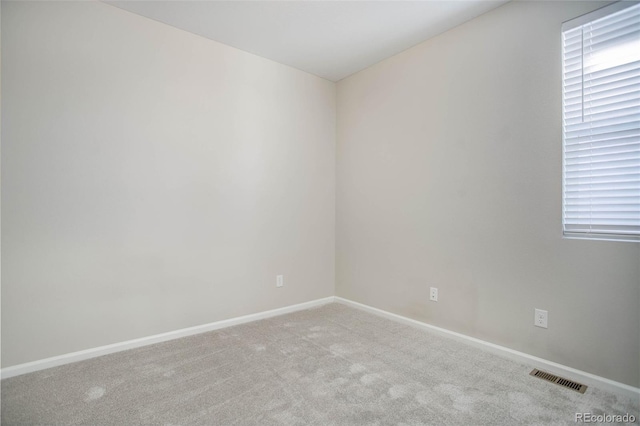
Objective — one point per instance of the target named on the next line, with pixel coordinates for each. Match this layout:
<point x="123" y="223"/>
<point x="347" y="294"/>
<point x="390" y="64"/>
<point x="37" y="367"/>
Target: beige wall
<point x="153" y="180"/>
<point x="449" y="175"/>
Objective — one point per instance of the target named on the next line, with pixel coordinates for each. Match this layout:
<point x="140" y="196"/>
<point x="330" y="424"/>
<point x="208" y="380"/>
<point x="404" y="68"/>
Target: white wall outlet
<point x="279" y="280"/>
<point x="541" y="318"/>
<point x="433" y="294"/>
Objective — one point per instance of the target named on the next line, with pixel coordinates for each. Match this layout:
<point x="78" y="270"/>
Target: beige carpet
<point x="332" y="365"/>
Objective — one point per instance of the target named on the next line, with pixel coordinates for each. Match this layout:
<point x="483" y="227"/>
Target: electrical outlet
<point x="279" y="280"/>
<point x="541" y="318"/>
<point x="433" y="294"/>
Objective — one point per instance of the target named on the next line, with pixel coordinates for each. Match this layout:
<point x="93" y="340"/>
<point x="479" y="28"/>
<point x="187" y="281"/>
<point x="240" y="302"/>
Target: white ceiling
<point x="331" y="39"/>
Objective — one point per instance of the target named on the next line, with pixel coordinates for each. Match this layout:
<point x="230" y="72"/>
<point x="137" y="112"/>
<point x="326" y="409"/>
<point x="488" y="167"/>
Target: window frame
<point x="567" y="26"/>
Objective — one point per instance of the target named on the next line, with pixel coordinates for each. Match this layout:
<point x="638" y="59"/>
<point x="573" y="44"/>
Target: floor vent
<point x="578" y="387"/>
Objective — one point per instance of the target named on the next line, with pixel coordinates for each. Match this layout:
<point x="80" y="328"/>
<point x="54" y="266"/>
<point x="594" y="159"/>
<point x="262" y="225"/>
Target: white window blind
<point x="601" y="124"/>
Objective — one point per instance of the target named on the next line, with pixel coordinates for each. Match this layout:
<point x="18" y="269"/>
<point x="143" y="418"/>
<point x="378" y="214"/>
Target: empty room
<point x="320" y="212"/>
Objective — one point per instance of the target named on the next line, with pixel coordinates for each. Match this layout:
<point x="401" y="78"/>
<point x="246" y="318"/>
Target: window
<point x="601" y="124"/>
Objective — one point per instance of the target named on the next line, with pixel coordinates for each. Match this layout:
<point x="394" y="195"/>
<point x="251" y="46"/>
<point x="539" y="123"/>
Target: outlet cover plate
<point x="541" y="318"/>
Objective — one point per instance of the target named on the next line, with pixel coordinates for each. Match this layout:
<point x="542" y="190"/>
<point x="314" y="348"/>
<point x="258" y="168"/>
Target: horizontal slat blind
<point x="601" y="125"/>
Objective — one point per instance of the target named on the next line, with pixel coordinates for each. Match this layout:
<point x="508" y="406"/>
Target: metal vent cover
<point x="578" y="387"/>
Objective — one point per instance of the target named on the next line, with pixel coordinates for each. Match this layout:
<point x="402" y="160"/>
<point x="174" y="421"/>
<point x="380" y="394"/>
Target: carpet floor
<point x="331" y="365"/>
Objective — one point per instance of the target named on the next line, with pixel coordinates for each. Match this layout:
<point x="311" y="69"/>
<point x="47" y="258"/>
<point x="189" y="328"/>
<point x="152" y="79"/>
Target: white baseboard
<point x="55" y="361"/>
<point x="543" y="364"/>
